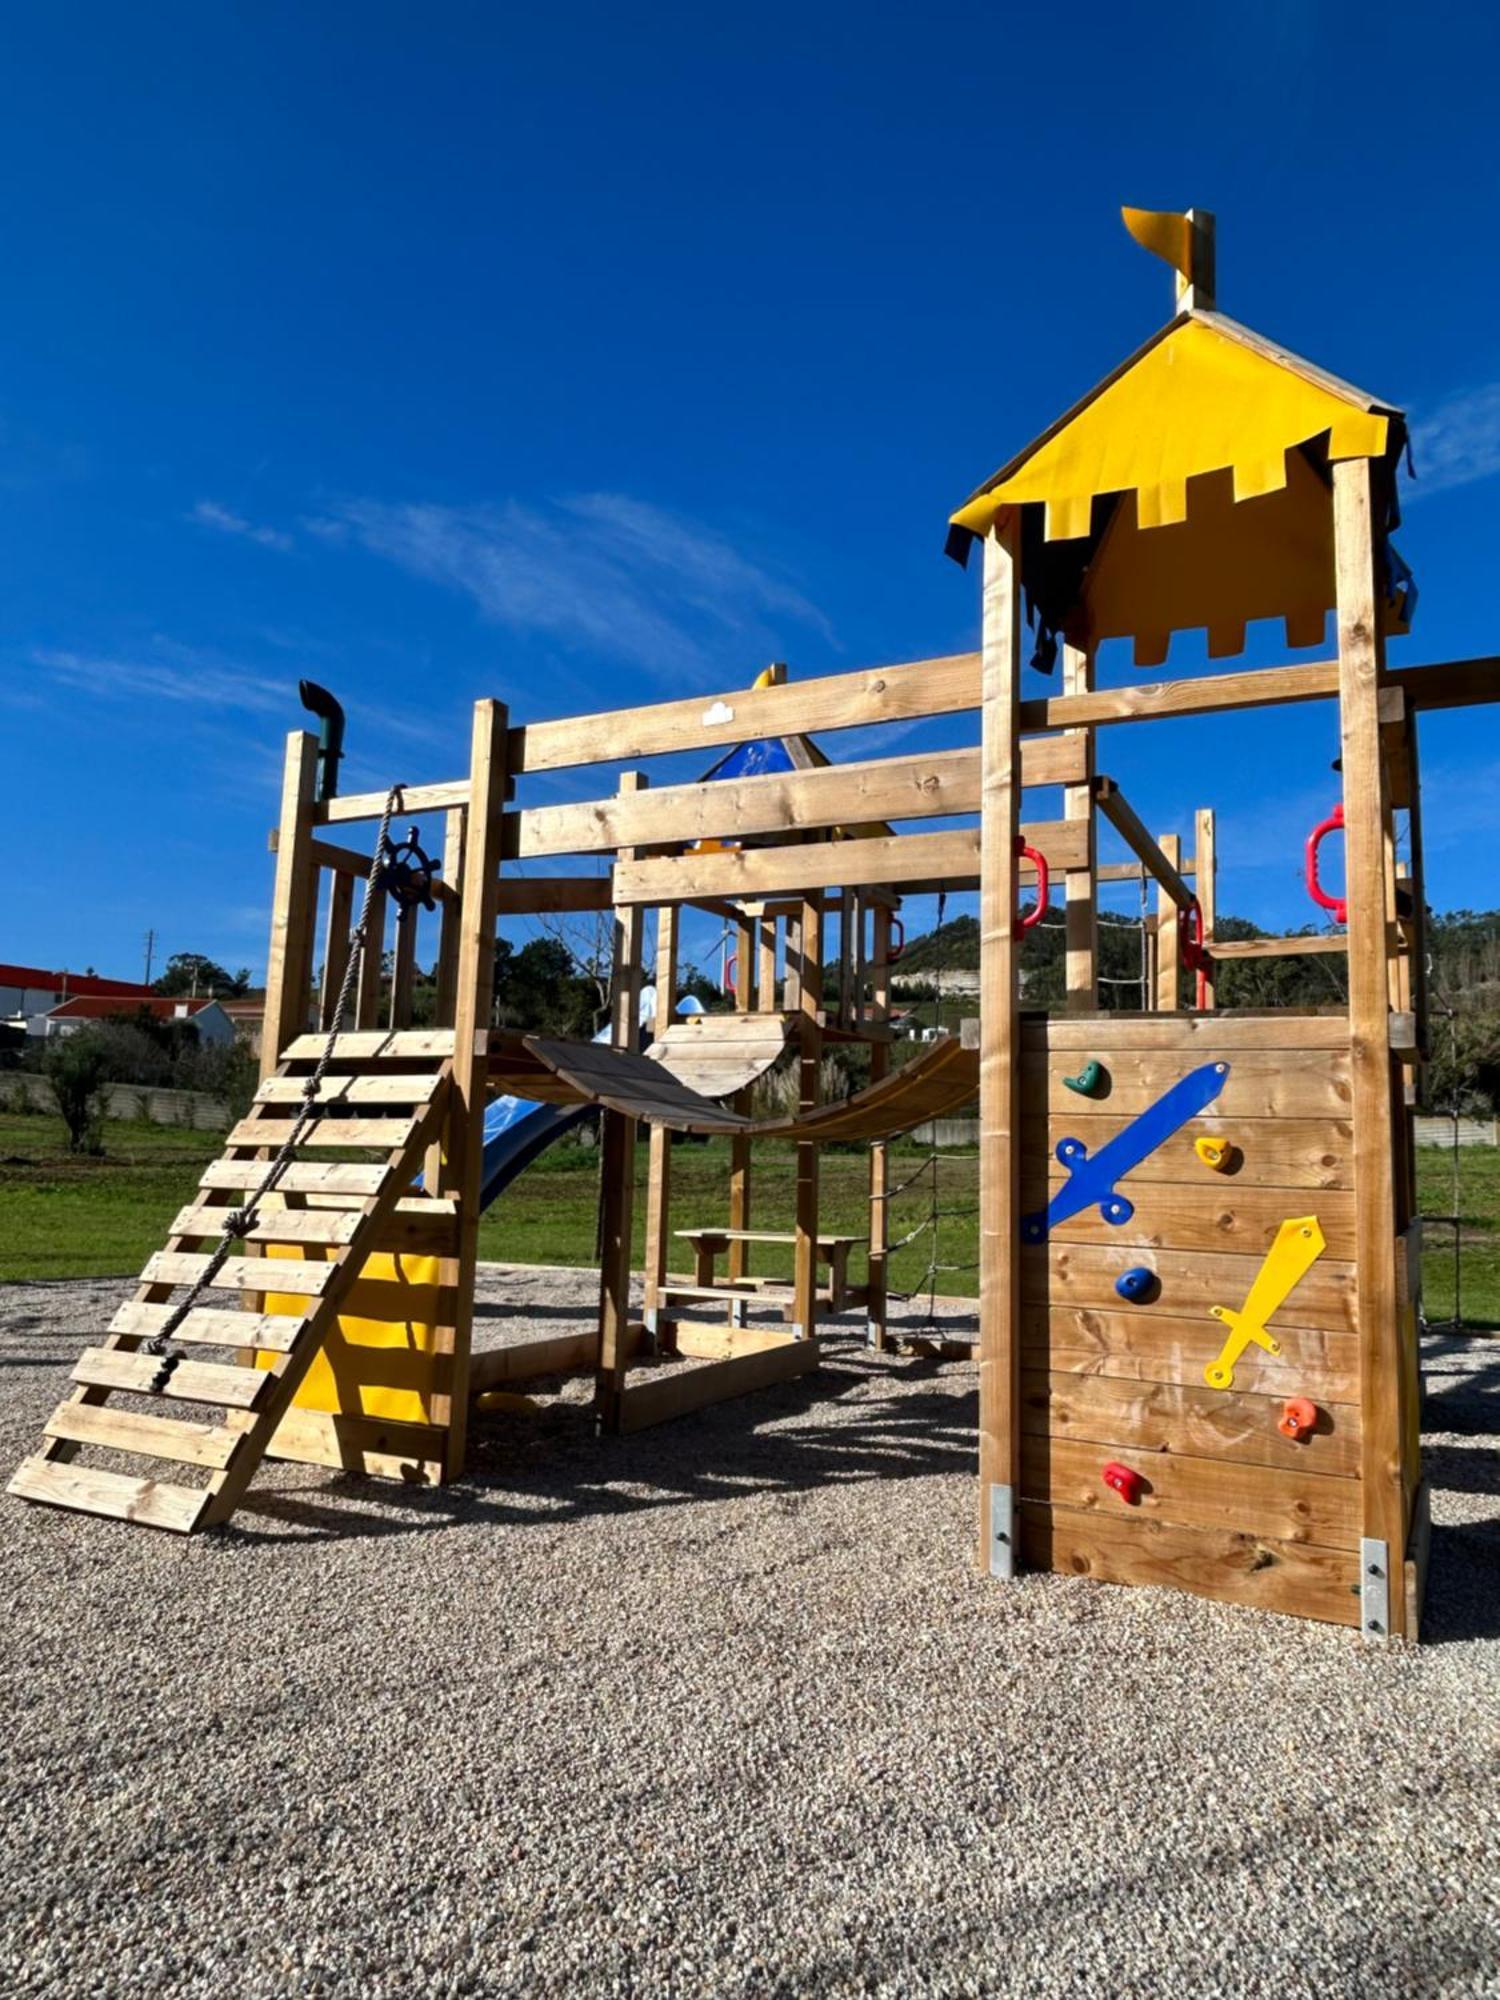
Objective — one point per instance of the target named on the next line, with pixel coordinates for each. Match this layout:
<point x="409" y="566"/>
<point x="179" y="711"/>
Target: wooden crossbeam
<point x="1108" y="798"/>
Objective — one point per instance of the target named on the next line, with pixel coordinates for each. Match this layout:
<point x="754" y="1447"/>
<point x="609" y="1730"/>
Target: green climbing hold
<point x="1087" y="1080"/>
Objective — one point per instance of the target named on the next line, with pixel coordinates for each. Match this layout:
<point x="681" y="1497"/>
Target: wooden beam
<point x="617" y="1168"/>
<point x="809" y="1095"/>
<point x="336" y="930"/>
<point x="1081" y="915"/>
<point x="293" y="904"/>
<point x="999" y="1126"/>
<point x="1257" y="687"/>
<point x="1281" y="947"/>
<point x="475" y="982"/>
<point x="530" y="895"/>
<point x="659" y="1173"/>
<point x="739" y="1142"/>
<point x="1206" y="885"/>
<point x="878" y="1283"/>
<point x="1125" y="823"/>
<point x="1168" y="933"/>
<point x="947" y="860"/>
<point x="1451" y="684"/>
<point x="1376" y="1275"/>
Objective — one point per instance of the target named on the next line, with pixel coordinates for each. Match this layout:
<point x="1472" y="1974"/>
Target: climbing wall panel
<point x="1189" y="1343"/>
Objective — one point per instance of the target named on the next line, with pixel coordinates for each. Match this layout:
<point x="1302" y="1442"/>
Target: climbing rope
<point x="238" y="1222"/>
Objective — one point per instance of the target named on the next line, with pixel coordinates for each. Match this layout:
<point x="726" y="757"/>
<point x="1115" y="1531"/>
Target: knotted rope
<point x="238" y="1222"/>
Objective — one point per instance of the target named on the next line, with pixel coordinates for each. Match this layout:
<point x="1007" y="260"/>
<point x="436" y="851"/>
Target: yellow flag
<point x="1165" y="235"/>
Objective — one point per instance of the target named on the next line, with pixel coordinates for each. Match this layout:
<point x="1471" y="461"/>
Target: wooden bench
<point x="709" y="1245"/>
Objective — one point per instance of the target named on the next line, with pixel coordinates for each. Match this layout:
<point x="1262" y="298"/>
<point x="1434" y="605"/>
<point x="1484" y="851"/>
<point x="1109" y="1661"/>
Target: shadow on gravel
<point x="552" y="1469"/>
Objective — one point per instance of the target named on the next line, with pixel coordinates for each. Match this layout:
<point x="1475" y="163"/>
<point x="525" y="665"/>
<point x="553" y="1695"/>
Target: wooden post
<point x="293" y="904"/>
<point x="1376" y="1279"/>
<point x="765" y="977"/>
<point x="809" y="1092"/>
<point x="404" y="968"/>
<point x="471" y="1033"/>
<point x="1082" y="913"/>
<point x="447" y="958"/>
<point x="1206" y="882"/>
<point x="739" y="1144"/>
<point x="372" y="966"/>
<point x="659" y="1183"/>
<point x="999" y="993"/>
<point x="617" y="1165"/>
<point x="1168" y="935"/>
<point x="336" y="930"/>
<point x="1197" y="291"/>
<point x="876" y="1310"/>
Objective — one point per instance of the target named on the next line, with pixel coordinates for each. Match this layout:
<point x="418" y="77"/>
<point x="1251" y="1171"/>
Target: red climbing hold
<point x="1298" y="1419"/>
<point x="1125" y="1481"/>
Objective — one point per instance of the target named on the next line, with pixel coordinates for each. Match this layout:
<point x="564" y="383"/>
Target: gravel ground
<point x="720" y="1709"/>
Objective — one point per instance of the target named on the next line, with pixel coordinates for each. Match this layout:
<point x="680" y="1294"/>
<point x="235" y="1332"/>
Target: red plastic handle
<point x="731" y="972"/>
<point x="1029" y="918"/>
<point x="896" y="944"/>
<point x="1333" y="824"/>
<point x="1190" y="939"/>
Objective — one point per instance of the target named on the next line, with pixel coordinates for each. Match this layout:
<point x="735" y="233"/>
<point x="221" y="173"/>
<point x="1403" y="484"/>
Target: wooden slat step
<point x="302" y="1177"/>
<point x="176" y="1438"/>
<point x="719" y="1294"/>
<point x="276" y="1225"/>
<point x="191" y="1381"/>
<point x="397" y="1089"/>
<point x="382" y="1134"/>
<point x="208" y="1326"/>
<point x="155" y="1502"/>
<point x="369" y="1044"/>
<point x="239" y="1274"/>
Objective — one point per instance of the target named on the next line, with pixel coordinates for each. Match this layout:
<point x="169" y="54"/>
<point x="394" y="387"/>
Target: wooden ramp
<point x="637" y="1085"/>
<point x="935" y="1084"/>
<point x="387" y="1114"/>
<point x="720" y="1054"/>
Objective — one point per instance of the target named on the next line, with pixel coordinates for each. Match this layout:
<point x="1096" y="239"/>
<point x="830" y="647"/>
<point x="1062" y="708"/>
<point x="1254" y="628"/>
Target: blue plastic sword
<point x="1091" y="1180"/>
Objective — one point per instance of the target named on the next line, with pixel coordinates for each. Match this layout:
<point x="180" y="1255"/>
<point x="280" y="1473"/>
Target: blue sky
<point x="595" y="355"/>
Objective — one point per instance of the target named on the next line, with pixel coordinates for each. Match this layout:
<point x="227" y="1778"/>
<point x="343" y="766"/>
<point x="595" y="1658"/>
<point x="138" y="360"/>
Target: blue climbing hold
<point x="1135" y="1284"/>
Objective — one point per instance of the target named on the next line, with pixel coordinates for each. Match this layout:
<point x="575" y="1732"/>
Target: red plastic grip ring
<point x="1333" y="824"/>
<point x="1030" y="918"/>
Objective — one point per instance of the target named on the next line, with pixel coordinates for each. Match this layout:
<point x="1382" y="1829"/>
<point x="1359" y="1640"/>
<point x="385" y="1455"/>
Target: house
<point x="27" y="992"/>
<point x="247" y="1017"/>
<point x="206" y="1016"/>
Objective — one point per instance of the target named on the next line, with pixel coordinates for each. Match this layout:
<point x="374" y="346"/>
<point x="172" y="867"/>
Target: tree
<point x="190" y="972"/>
<point x="77" y="1067"/>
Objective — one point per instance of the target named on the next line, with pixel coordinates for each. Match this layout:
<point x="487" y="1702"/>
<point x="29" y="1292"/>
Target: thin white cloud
<point x="601" y="572"/>
<point x="173" y="674"/>
<point x="1458" y="442"/>
<point x="212" y="514"/>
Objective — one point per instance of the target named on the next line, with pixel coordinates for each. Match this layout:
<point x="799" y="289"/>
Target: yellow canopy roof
<point x="1204" y="401"/>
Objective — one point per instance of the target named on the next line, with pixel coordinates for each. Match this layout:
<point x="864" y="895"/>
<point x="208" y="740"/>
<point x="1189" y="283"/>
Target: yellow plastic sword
<point x="1298" y="1246"/>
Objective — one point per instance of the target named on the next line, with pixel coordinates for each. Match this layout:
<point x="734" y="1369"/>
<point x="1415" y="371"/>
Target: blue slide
<point x="517" y="1129"/>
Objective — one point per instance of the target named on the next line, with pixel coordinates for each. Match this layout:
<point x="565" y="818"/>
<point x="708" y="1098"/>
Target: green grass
<point x="63" y="1217"/>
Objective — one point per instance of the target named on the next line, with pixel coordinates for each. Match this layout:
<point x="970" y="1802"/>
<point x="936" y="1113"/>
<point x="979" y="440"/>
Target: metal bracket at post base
<point x="1374" y="1590"/>
<point x="1003" y="1533"/>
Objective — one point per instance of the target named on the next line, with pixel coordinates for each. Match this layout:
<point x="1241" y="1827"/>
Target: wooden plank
<point x="301" y="1177"/>
<point x="558" y="1354"/>
<point x="1157" y="1347"/>
<point x="384" y="1044"/>
<point x="1217" y="1494"/>
<point x="725" y="1343"/>
<point x="1216" y="1213"/>
<point x="1262" y="1083"/>
<point x="380" y="1088"/>
<point x="378" y="1134"/>
<point x="276" y="1225"/>
<point x="113" y="1429"/>
<point x="336" y="929"/>
<point x="1281" y="947"/>
<point x="191" y="1381"/>
<point x="684" y="1390"/>
<point x="659" y="1143"/>
<point x="931" y="785"/>
<point x="240" y="1274"/>
<point x="1192" y="1281"/>
<point x="368" y="991"/>
<point x="1184" y="1420"/>
<point x="1205" y="694"/>
<point x="530" y="895"/>
<point x="212" y="1326"/>
<point x="948" y="860"/>
<point x="877" y="1261"/>
<point x="1227" y="1034"/>
<point x="1266" y="1575"/>
<point x="155" y="1503"/>
<point x="740" y="1189"/>
<point x="1296" y="1154"/>
<point x="293" y="904"/>
<point x="1360" y="664"/>
<point x="999" y="1081"/>
<point x="379" y="1447"/>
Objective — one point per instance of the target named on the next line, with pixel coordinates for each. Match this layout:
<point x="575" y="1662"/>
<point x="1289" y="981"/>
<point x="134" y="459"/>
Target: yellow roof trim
<point x="1203" y="395"/>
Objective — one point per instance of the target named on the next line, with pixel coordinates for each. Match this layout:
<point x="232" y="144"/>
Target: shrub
<point x="77" y="1066"/>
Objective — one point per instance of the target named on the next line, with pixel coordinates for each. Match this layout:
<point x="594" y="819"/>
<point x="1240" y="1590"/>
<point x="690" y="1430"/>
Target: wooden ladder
<point x="375" y="1108"/>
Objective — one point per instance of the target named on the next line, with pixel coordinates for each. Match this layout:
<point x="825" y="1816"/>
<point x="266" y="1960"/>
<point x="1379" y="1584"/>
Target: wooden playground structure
<point x="1199" y="1269"/>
